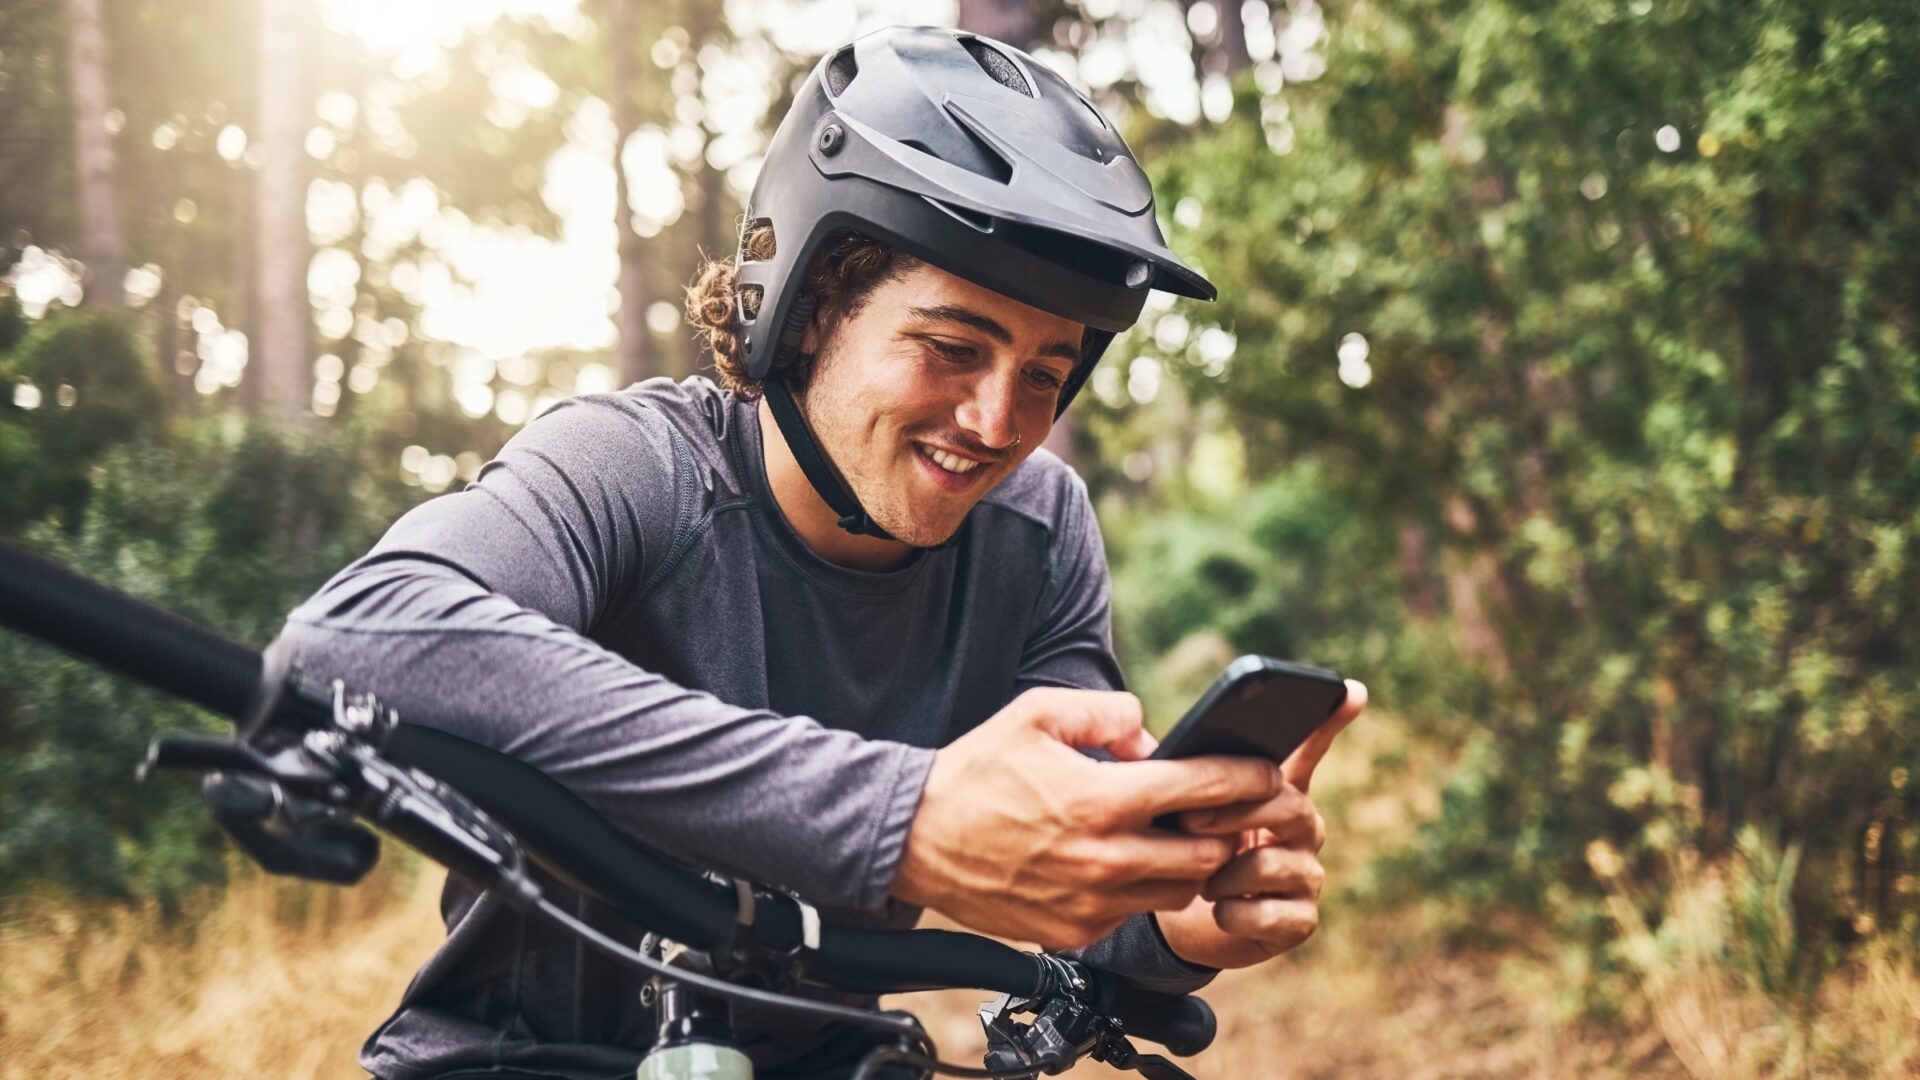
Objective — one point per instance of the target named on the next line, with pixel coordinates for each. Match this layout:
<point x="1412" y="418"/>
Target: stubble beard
<point x="887" y="503"/>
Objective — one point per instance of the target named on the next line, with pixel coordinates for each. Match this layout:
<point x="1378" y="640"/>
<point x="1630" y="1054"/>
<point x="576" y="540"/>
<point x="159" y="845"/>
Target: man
<point x="837" y="626"/>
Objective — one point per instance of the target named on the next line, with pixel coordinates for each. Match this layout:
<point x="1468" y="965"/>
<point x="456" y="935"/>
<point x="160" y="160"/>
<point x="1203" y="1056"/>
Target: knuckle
<point x="1223" y="781"/>
<point x="1095" y="811"/>
<point x="1272" y="862"/>
<point x="1316" y="877"/>
<point x="1105" y="870"/>
<point x="1085" y="908"/>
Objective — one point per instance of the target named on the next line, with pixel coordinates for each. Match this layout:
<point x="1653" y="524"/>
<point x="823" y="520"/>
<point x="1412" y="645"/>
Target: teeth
<point x="948" y="461"/>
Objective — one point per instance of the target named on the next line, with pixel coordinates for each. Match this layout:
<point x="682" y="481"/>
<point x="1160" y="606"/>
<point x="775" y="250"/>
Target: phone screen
<point x="1261" y="707"/>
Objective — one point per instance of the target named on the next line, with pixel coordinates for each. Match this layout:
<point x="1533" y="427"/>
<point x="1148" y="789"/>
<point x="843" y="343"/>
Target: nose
<point x="991" y="413"/>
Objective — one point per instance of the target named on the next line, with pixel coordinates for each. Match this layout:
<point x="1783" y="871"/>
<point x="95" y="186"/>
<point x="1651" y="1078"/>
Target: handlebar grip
<point x="41" y="598"/>
<point x="1182" y="1023"/>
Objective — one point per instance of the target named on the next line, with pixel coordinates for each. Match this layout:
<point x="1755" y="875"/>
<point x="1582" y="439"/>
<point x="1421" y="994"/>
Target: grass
<point x="284" y="979"/>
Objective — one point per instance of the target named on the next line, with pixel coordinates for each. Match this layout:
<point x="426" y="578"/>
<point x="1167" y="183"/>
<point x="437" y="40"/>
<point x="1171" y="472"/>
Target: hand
<point x="1019" y="834"/>
<point x="1267" y="899"/>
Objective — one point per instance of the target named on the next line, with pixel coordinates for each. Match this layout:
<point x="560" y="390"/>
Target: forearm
<point x="779" y="799"/>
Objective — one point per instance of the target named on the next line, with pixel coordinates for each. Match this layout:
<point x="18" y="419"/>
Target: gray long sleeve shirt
<point x="619" y="601"/>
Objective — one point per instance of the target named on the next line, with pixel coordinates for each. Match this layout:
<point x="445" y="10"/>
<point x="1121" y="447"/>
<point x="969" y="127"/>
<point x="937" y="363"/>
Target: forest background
<point x="1565" y="385"/>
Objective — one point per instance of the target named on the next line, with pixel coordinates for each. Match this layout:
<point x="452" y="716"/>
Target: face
<point x="931" y="392"/>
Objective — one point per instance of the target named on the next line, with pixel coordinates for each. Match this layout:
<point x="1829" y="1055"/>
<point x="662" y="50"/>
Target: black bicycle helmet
<point x="972" y="156"/>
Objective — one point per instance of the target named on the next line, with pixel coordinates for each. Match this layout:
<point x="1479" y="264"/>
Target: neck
<point x="809" y="514"/>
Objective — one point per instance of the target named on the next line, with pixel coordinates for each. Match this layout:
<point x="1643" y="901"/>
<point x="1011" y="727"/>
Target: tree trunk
<point x="1010" y="21"/>
<point x="1224" y="52"/>
<point x="282" y="356"/>
<point x="714" y="235"/>
<point x="105" y="250"/>
<point x="635" y="352"/>
<point x="1232" y="46"/>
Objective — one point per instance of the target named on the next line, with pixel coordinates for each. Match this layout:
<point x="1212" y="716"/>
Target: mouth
<point x="949" y="470"/>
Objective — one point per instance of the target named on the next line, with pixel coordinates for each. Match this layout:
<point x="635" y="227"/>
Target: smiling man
<point x="835" y="623"/>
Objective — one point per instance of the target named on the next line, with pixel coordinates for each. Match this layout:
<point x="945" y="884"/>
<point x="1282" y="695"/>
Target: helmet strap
<point x="813" y="462"/>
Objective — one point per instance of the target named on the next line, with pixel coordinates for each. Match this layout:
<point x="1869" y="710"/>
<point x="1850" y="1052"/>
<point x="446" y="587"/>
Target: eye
<point x="948" y="350"/>
<point x="1043" y="379"/>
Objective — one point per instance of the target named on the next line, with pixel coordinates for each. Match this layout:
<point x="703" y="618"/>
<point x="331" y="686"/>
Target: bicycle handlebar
<point x="41" y="598"/>
<point x="93" y="622"/>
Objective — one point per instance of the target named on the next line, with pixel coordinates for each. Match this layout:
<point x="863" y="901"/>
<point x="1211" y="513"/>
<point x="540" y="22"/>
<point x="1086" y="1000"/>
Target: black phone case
<point x="1260" y="707"/>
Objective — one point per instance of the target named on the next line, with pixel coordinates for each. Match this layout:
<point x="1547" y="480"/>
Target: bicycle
<point x="310" y="766"/>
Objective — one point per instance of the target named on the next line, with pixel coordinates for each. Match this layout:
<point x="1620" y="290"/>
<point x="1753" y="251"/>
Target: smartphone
<point x="1260" y="707"/>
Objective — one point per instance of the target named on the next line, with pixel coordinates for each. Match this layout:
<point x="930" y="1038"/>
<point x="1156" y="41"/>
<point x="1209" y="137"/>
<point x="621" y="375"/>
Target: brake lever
<point x="291" y="769"/>
<point x="1156" y="1067"/>
<point x="1116" y="1051"/>
<point x="286" y="811"/>
<point x="199" y="753"/>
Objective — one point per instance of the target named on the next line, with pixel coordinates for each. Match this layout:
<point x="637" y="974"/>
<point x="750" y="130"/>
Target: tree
<point x="635" y="349"/>
<point x="1620" y="306"/>
<point x="281" y="355"/>
<point x="94" y="123"/>
<point x="1010" y="21"/>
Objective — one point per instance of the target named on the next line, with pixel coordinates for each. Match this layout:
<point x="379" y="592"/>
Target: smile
<point x="948" y="471"/>
<point x="953" y="463"/>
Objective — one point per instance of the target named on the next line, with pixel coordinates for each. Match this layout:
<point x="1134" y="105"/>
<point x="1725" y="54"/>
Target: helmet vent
<point x="750" y="299"/>
<point x="841" y="70"/>
<point x="757" y="243"/>
<point x="977" y="222"/>
<point x="989" y="163"/>
<point x="997" y="66"/>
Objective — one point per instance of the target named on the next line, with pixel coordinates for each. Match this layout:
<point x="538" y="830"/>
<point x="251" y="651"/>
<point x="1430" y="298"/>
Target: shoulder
<point x="681" y="425"/>
<point x="694" y="407"/>
<point x="1048" y="495"/>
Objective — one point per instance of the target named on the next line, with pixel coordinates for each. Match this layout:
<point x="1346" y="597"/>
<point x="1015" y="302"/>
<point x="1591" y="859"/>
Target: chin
<point x="923" y="532"/>
<point x="927" y="525"/>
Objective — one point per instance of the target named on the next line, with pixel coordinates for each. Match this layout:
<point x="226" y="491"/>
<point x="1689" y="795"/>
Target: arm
<point x="470" y="616"/>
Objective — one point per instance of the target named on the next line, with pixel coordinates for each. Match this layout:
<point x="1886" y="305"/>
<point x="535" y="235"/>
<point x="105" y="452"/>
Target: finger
<point x="1157" y="896"/>
<point x="1088" y="718"/>
<point x="1152" y="788"/>
<point x="1277" y="920"/>
<point x="1268" y="871"/>
<point x="1299" y="766"/>
<point x="1163" y="856"/>
<point x="1289" y="813"/>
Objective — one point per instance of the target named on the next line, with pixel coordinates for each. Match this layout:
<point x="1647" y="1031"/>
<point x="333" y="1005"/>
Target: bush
<point x="1627" y="300"/>
<point x="230" y="528"/>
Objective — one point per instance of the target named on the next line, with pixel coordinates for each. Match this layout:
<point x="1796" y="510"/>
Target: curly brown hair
<point x="847" y="270"/>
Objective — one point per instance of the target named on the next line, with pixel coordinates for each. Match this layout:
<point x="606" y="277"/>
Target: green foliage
<point x="95" y="392"/>
<point x="1639" y="288"/>
<point x="227" y="525"/>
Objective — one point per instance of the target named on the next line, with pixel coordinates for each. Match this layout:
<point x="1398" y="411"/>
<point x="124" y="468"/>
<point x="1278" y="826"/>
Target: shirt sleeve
<point x="1071" y="645"/>
<point x="471" y="615"/>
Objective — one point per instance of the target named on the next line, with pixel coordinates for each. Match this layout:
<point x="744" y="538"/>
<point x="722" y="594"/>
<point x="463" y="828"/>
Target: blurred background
<point x="1565" y="386"/>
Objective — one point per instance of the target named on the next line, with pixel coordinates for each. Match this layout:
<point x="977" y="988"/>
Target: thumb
<point x="1299" y="766"/>
<point x="1108" y="719"/>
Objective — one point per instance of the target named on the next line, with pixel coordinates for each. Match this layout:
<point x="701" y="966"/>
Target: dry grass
<point x="285" y="980"/>
<point x="280" y="979"/>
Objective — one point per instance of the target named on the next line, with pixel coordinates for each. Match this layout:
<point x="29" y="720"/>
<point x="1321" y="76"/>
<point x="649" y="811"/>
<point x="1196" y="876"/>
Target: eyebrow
<point x="966" y="316"/>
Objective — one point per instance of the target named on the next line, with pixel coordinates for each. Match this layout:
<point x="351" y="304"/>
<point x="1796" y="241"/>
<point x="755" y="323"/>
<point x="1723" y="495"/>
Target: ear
<point x="811" y="340"/>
